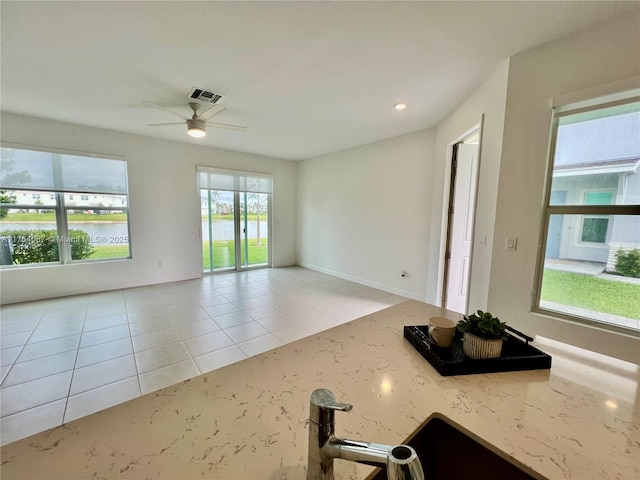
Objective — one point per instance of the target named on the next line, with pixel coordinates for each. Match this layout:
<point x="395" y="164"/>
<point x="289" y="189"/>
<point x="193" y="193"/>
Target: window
<point x="598" y="198"/>
<point x="595" y="228"/>
<point x="592" y="214"/>
<point x="41" y="223"/>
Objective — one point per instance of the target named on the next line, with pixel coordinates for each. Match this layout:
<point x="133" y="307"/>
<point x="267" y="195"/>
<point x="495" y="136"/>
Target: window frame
<point x="61" y="210"/>
<point x="548" y="210"/>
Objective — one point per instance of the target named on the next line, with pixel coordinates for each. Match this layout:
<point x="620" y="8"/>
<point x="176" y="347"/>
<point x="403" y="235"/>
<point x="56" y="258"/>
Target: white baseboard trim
<point x="284" y="264"/>
<point x="363" y="281"/>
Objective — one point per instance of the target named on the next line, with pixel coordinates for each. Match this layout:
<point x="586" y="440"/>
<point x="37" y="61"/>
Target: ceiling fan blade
<point x="227" y="126"/>
<point x="211" y="112"/>
<point x="164" y="124"/>
<point x="165" y="109"/>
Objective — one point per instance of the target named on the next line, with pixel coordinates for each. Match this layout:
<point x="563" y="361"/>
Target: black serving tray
<point x="516" y="355"/>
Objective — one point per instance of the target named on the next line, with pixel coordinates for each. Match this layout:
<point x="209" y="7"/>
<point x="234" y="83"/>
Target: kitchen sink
<point x="448" y="451"/>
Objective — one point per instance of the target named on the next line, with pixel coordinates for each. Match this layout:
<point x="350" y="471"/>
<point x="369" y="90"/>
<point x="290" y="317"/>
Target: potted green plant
<point x="483" y="335"/>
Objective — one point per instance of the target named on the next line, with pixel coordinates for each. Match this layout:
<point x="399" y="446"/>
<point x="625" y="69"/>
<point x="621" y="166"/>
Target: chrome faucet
<point x="401" y="461"/>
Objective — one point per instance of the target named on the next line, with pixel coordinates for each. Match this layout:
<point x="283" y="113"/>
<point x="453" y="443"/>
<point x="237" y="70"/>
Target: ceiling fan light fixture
<point x="196" y="128"/>
<point x="196" y="132"/>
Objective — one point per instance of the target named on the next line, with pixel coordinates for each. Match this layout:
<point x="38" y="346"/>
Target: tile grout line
<point x="73" y="372"/>
<point x="191" y="357"/>
<point x="20" y="353"/>
<point x="133" y="350"/>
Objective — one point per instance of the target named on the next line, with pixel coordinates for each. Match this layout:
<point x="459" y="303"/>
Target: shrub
<point x="41" y="246"/>
<point x="628" y="263"/>
<point x="80" y="245"/>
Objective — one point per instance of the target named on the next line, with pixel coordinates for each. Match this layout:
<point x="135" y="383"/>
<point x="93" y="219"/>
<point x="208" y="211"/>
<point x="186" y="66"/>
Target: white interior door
<point x="461" y="228"/>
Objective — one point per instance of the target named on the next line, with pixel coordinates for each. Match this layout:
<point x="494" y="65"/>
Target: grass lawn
<point x="578" y="290"/>
<point x="224" y="253"/>
<point x="115" y="251"/>
<point x="107" y="217"/>
<point x="73" y="217"/>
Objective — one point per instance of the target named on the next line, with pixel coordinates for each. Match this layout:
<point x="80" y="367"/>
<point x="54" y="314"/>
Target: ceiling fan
<point x="196" y="125"/>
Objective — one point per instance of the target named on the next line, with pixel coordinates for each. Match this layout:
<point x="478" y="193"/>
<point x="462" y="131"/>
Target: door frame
<point x="447" y="191"/>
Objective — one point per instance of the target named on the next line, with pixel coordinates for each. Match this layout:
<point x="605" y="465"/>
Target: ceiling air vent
<point x="204" y="96"/>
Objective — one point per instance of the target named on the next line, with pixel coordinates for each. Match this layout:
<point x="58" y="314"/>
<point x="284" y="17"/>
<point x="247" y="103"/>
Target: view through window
<point x="591" y="265"/>
<point x="235" y="210"/>
<point x="60" y="208"/>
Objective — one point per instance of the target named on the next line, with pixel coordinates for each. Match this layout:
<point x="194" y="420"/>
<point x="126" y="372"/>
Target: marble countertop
<point x="579" y="420"/>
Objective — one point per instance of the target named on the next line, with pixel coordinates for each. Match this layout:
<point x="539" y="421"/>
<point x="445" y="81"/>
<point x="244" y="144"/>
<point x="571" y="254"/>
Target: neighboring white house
<point x="597" y="162"/>
<point x="82" y="201"/>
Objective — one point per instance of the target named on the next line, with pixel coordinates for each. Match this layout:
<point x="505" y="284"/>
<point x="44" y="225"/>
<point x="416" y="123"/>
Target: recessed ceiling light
<point x="400" y="106"/>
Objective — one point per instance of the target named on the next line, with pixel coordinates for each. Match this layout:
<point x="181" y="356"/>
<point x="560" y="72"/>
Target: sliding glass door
<point x="254" y="229"/>
<point x="235" y="209"/>
<point x="218" y="232"/>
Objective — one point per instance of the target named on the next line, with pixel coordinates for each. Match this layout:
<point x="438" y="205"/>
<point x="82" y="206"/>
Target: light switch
<point x="512" y="242"/>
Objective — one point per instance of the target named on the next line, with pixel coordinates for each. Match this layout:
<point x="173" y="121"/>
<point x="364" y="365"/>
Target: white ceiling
<point x="306" y="78"/>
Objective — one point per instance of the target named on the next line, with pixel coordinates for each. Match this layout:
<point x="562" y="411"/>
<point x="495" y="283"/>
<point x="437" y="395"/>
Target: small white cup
<point x="441" y="331"/>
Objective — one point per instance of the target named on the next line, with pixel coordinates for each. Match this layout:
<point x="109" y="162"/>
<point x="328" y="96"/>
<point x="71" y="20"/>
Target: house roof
<point x="620" y="165"/>
<point x="598" y="142"/>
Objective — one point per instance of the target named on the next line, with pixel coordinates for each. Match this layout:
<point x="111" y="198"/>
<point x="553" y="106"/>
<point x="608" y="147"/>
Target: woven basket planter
<point x="479" y="348"/>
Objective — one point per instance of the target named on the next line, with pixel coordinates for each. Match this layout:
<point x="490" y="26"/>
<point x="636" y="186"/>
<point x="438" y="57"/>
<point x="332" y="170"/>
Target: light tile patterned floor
<point x="69" y="357"/>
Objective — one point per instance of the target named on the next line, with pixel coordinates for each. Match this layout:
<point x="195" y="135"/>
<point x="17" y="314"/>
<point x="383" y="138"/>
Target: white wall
<point x="600" y="55"/>
<point x="363" y="213"/>
<point x="487" y="103"/>
<point x="164" y="209"/>
<point x="369" y="212"/>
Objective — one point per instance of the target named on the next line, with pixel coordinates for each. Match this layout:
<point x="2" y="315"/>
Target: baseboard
<point x="289" y="263"/>
<point x="363" y="281"/>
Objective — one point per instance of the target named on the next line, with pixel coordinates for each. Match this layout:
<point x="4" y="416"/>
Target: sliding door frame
<point x="240" y="223"/>
<point x="239" y="217"/>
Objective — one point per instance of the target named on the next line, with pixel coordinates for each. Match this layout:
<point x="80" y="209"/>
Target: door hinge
<point x="447" y="255"/>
